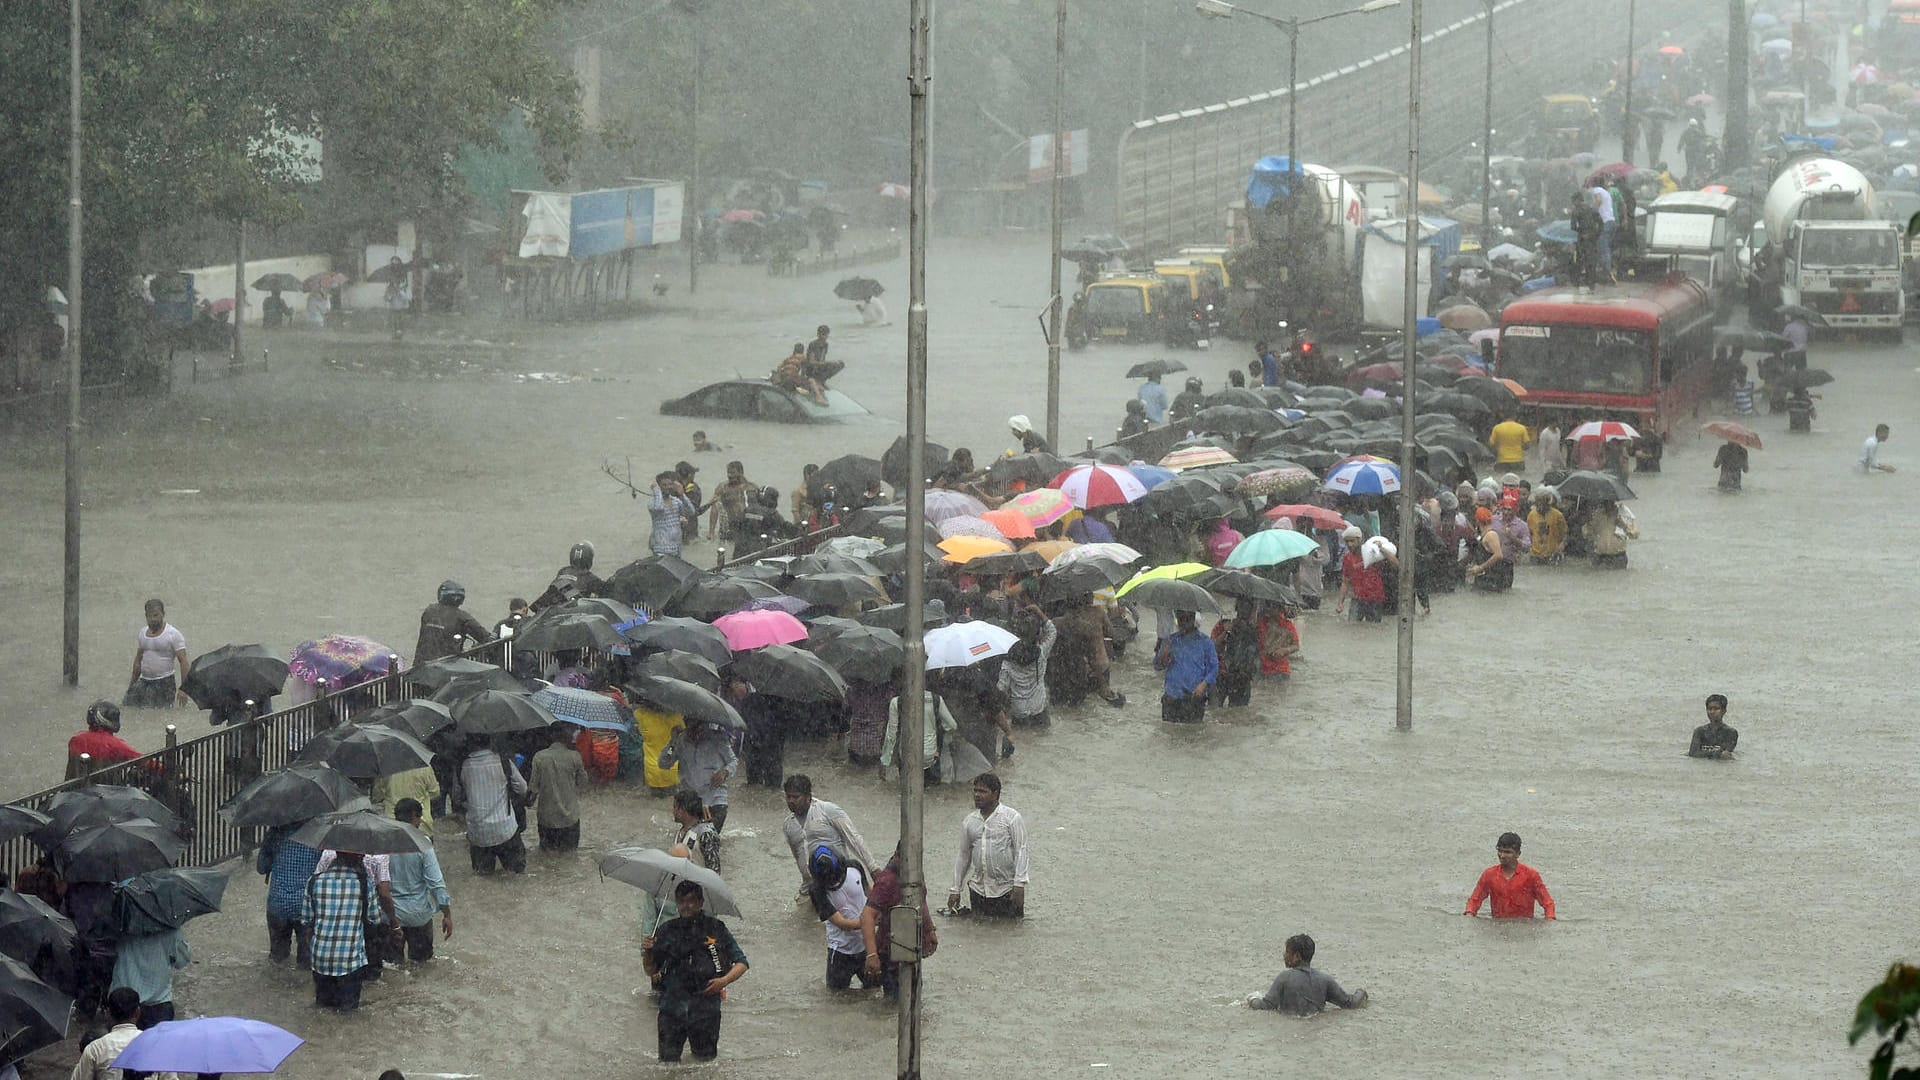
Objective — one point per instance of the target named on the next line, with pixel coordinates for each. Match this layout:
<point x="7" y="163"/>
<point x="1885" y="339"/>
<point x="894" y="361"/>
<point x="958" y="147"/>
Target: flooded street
<point x="1716" y="918"/>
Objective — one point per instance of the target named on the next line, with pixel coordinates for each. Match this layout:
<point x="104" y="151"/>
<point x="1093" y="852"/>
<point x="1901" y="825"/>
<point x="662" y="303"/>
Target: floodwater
<point x="1716" y="918"/>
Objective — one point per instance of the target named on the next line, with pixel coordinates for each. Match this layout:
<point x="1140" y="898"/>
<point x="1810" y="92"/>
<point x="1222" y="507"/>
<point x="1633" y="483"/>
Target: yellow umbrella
<point x="1171" y="570"/>
<point x="1052" y="549"/>
<point x="963" y="549"/>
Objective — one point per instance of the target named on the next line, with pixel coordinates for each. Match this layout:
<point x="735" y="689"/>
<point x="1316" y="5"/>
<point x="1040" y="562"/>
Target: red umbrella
<point x="1672" y="50"/>
<point x="1098" y="485"/>
<point x="1608" y="430"/>
<point x="1733" y="433"/>
<point x="1616" y="171"/>
<point x="732" y="216"/>
<point x="1320" y="516"/>
<point x="220" y="306"/>
<point x="321" y="282"/>
<point x="1374" y="373"/>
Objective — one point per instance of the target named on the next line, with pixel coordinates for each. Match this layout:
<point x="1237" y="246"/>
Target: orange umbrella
<point x="1733" y="433"/>
<point x="1518" y="390"/>
<point x="1013" y="524"/>
<point x="961" y="549"/>
<point x="1052" y="549"/>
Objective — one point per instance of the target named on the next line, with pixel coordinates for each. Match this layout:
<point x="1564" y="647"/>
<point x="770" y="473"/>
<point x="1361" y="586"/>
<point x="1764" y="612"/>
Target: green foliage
<point x="1889" y="1011"/>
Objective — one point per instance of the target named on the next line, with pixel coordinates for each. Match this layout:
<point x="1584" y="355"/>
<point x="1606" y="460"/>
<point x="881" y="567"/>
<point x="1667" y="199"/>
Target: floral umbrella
<point x="969" y="526"/>
<point x="341" y="659"/>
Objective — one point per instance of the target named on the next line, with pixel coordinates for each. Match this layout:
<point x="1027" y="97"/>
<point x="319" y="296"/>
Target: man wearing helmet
<point x="576" y="579"/>
<point x="1188" y="402"/>
<point x="445" y="628"/>
<point x="101" y="742"/>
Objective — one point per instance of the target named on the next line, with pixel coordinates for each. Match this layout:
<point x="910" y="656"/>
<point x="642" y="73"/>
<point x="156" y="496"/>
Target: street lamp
<point x="1403" y="684"/>
<point x="1220" y="9"/>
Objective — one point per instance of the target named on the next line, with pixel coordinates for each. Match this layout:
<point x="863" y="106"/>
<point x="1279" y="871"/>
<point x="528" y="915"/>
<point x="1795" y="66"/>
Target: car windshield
<point x="1601" y="360"/>
<point x="1848" y="247"/>
<point x="1113" y="302"/>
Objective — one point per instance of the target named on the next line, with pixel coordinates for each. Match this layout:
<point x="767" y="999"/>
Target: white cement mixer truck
<point x="1828" y="249"/>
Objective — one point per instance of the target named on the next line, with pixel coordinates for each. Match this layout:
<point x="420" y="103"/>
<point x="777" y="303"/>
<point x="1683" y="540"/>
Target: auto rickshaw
<point x="1128" y="307"/>
<point x="1566" y="124"/>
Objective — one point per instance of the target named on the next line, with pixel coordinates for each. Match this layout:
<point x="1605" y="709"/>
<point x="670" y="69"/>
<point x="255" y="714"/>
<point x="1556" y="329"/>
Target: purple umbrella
<point x="209" y="1044"/>
<point x="943" y="504"/>
<point x="341" y="659"/>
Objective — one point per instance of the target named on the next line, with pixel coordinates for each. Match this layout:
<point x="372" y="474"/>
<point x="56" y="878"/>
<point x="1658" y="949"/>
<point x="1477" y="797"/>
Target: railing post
<point x="86" y="769"/>
<point x="173" y="739"/>
<point x="719" y="558"/>
<point x="263" y="360"/>
<point x="396" y="686"/>
<point x="506" y="649"/>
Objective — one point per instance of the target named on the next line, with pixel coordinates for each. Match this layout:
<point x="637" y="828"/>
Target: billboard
<point x="1040" y="156"/>
<point x="589" y="223"/>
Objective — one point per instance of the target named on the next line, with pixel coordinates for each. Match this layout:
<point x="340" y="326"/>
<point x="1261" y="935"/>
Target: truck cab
<point x="1696" y="234"/>
<point x="1128" y="307"/>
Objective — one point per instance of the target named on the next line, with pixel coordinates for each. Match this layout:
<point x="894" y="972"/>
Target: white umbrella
<point x="966" y="644"/>
<point x="657" y="872"/>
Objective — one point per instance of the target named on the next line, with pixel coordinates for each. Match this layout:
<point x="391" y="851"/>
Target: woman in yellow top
<point x="656" y="730"/>
<point x="1549" y="528"/>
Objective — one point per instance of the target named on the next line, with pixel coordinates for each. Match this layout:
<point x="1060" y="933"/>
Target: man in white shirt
<point x="159" y="651"/>
<point x="96" y="1061"/>
<point x="1603" y="205"/>
<point x="1870" y="451"/>
<point x="815" y="822"/>
<point x="839" y="896"/>
<point x="992" y="867"/>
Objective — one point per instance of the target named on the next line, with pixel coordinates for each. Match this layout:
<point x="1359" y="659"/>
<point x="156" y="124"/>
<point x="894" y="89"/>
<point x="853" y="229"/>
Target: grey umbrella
<point x="686" y="699"/>
<point x="461" y="687"/>
<point x="32" y="1014"/>
<point x="495" y="712"/>
<point x="162" y="900"/>
<point x="19" y="821"/>
<point x="836" y="590"/>
<point x="27" y="926"/>
<point x="422" y="718"/>
<point x="685" y="666"/>
<point x="101" y="804"/>
<point x="554" y="632"/>
<point x="299" y="792"/>
<point x="686" y="635"/>
<point x="654" y="871"/>
<point x="435" y="674"/>
<point x="1172" y="594"/>
<point x="116" y="850"/>
<point x="364" y="751"/>
<point x="783" y="671"/>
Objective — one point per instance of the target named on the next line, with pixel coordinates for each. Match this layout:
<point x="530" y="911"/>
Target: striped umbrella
<point x="1195" y="456"/>
<point x="1041" y="506"/>
<point x="1609" y="430"/>
<point x="1098" y="485"/>
<point x="1364" y="476"/>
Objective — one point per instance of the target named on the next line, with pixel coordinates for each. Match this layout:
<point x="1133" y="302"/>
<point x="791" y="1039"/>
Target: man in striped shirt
<point x="493" y="832"/>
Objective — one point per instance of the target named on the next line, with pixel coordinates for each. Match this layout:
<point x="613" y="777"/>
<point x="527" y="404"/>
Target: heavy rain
<point x="400" y="334"/>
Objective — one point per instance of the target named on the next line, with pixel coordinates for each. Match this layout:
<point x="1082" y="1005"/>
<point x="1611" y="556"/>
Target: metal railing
<point x="196" y="777"/>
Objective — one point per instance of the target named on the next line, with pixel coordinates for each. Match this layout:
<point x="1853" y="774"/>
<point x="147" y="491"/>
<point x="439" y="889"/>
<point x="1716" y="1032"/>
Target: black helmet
<point x="452" y="593"/>
<point x="1194" y="385"/>
<point x="580" y="556"/>
<point x="104" y="716"/>
<point x="1135" y="405"/>
<point x="769" y="497"/>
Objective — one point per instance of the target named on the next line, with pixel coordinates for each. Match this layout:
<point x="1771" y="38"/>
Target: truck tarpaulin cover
<point x="1383" y="266"/>
<point x="1270" y="178"/>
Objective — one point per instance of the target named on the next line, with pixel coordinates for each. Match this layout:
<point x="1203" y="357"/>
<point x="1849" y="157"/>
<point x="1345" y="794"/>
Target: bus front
<point x="1582" y="369"/>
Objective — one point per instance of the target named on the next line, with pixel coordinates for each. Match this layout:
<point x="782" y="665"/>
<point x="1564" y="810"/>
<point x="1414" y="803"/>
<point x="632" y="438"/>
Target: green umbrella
<point x="1271" y="547"/>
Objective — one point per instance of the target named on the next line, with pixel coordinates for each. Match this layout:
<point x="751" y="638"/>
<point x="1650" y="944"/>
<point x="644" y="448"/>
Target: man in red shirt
<point x="101" y="741"/>
<point x="1513" y="885"/>
<point x="1359" y="581"/>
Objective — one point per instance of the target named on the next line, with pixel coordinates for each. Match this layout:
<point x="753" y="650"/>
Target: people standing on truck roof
<point x="1602" y="201"/>
<point x="1587" y="233"/>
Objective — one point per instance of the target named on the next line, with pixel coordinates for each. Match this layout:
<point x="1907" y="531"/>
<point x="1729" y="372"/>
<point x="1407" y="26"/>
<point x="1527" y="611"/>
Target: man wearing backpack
<point x="697" y="959"/>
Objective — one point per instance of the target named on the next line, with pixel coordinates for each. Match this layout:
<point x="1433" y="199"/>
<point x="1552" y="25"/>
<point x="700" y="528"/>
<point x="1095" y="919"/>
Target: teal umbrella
<point x="1271" y="547"/>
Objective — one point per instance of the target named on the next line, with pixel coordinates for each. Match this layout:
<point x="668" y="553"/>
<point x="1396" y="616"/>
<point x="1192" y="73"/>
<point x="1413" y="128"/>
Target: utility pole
<point x="1736" y="138"/>
<point x="239" y="287"/>
<point x="1486" y="146"/>
<point x="693" y="185"/>
<point x="1059" y="149"/>
<point x="70" y="584"/>
<point x="1403" y="689"/>
<point x="905" y="919"/>
<point x="1628" y="134"/>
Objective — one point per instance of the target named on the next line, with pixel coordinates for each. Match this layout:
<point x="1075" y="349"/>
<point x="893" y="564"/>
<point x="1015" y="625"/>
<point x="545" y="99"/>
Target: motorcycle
<point x="1195" y="330"/>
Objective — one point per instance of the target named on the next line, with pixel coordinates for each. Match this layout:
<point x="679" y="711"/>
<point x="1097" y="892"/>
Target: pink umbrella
<point x="1098" y="485"/>
<point x="1012" y="523"/>
<point x="968" y="525"/>
<point x="751" y="629"/>
<point x="943" y="504"/>
<point x="732" y="216"/>
<point x="1042" y="506"/>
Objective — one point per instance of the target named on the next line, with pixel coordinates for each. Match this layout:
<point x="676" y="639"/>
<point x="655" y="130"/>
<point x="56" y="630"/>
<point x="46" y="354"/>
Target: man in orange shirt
<point x="1513" y="885"/>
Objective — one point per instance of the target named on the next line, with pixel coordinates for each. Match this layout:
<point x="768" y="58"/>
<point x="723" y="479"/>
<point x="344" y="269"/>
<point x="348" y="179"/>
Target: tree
<point x="1890" y="1010"/>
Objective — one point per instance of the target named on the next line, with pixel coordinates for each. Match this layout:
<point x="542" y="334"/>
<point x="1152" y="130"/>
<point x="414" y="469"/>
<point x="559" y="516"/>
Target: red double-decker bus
<point x="1645" y="350"/>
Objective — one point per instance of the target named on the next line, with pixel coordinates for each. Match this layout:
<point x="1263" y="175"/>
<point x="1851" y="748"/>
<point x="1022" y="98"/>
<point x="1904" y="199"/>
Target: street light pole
<point x="1735" y="138"/>
<point x="1627" y="132"/>
<point x="1059" y="146"/>
<point x="904" y="920"/>
<point x="1292" y="27"/>
<point x="1486" y="146"/>
<point x="1403" y="687"/>
<point x="70" y="583"/>
<point x="693" y="183"/>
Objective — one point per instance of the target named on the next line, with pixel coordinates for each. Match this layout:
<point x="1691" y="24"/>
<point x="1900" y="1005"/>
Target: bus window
<point x="1578" y="358"/>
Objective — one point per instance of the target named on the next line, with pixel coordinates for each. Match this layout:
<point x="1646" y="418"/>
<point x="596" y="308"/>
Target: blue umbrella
<point x="583" y="707"/>
<point x="1557" y="232"/>
<point x="1363" y="477"/>
<point x="1150" y="476"/>
<point x="209" y="1044"/>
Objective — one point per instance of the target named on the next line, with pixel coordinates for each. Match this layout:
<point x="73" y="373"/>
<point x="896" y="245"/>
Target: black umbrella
<point x="1452" y="403"/>
<point x="1804" y="377"/>
<point x="1006" y="562"/>
<point x="766" y="573"/>
<point x="836" y="590"/>
<point x="828" y="562"/>
<point x="1237" y="420"/>
<point x="858" y="289"/>
<point x="279" y="283"/>
<point x="1171" y="593"/>
<point x="892" y="559"/>
<point x="28" y="926"/>
<point x="232" y="674"/>
<point x="32" y="1014"/>
<point x="101" y="804"/>
<point x="1492" y="391"/>
<point x="1160" y="367"/>
<point x="1036" y="470"/>
<point x="893" y="463"/>
<point x="849" y="476"/>
<point x="652" y="582"/>
<point x="296" y="793"/>
<point x="685" y="666"/>
<point x="497" y="712"/>
<point x="1804" y="314"/>
<point x="783" y="671"/>
<point x="20" y="821"/>
<point x="435" y="674"/>
<point x="863" y="653"/>
<point x="1240" y="584"/>
<point x="606" y="607"/>
<point x="389" y="273"/>
<point x="162" y="900"/>
<point x="362" y="831"/>
<point x="548" y="632"/>
<point x="685" y="699"/>
<point x="822" y="627"/>
<point x="1587" y="484"/>
<point x="864" y="521"/>
<point x="1372" y="408"/>
<point x="1082" y="577"/>
<point x="117" y="850"/>
<point x="716" y="594"/>
<point x="894" y="616"/>
<point x="686" y="635"/>
<point x="1459" y="442"/>
<point x="364" y="751"/>
<point x="1748" y="338"/>
<point x="461" y="687"/>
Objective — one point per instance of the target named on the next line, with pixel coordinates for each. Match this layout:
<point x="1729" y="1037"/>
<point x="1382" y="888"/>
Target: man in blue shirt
<point x="419" y="890"/>
<point x="286" y="865"/>
<point x="1192" y="666"/>
<point x="1154" y="397"/>
<point x="1269" y="364"/>
<point x="145" y="963"/>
